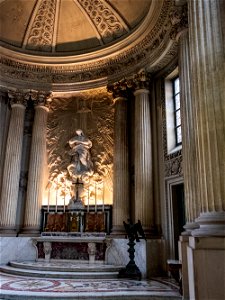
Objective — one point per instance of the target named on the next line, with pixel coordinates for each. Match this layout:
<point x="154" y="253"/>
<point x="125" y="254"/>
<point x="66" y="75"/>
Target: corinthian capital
<point x="141" y="80"/>
<point x="17" y="97"/>
<point x="178" y="20"/>
<point x="41" y="98"/>
<point x="118" y="89"/>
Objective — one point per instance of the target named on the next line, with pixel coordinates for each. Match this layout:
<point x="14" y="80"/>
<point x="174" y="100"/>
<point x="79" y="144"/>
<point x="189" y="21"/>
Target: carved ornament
<point x="17" y="97"/>
<point x="118" y="89"/>
<point x="179" y="20"/>
<point x="141" y="80"/>
<point x="41" y="32"/>
<point x="105" y="20"/>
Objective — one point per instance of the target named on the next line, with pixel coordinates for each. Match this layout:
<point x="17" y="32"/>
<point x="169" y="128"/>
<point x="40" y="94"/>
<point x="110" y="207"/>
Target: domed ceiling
<point x="68" y="26"/>
<point x="67" y="45"/>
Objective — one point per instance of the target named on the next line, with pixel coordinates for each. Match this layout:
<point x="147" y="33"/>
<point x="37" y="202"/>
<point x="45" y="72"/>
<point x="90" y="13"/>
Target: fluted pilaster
<point x="11" y="172"/>
<point x="144" y="209"/>
<point x="36" y="170"/>
<point x="206" y="19"/>
<point x="188" y="136"/>
<point x="121" y="201"/>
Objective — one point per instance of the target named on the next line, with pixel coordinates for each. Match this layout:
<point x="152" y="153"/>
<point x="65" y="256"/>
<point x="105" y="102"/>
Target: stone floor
<point x="22" y="288"/>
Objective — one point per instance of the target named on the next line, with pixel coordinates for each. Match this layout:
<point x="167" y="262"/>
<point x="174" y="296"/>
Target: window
<point x="173" y="113"/>
<point x="177" y="116"/>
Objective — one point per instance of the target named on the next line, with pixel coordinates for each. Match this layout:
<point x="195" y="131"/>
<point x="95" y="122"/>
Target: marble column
<point x="12" y="162"/>
<point x="143" y="174"/>
<point x="36" y="169"/>
<point x="207" y="65"/>
<point x="206" y="249"/>
<point x="188" y="136"/>
<point x="4" y="125"/>
<point x="121" y="201"/>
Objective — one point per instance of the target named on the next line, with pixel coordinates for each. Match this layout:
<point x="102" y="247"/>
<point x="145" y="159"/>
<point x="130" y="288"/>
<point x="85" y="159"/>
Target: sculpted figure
<point x="81" y="164"/>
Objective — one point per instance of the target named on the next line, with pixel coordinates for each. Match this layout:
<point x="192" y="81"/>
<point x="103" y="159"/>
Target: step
<point x="65" y="266"/>
<point x="59" y="273"/>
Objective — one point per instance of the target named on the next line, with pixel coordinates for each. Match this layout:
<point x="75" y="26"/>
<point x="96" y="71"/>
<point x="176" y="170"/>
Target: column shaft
<point x="121" y="201"/>
<point x="36" y="172"/>
<point x="143" y="160"/>
<point x="11" y="173"/>
<point x="188" y="136"/>
<point x="208" y="72"/>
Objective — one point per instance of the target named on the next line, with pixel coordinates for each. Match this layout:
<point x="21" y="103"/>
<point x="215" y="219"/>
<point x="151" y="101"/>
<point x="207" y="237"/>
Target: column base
<point x="8" y="231"/>
<point x="118" y="231"/>
<point x="189" y="227"/>
<point x="211" y="224"/>
<point x="182" y="246"/>
<point x="150" y="232"/>
<point x="30" y="231"/>
<point x="206" y="272"/>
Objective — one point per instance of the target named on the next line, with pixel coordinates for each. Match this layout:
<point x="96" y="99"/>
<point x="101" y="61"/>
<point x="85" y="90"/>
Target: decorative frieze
<point x="173" y="166"/>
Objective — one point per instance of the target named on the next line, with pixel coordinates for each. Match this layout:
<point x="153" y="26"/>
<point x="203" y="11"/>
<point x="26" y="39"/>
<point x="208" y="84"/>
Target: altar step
<point x="63" y="270"/>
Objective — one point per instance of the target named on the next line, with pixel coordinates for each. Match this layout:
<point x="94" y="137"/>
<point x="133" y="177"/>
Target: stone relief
<point x="41" y="32"/>
<point x="104" y="19"/>
<point x="93" y="114"/>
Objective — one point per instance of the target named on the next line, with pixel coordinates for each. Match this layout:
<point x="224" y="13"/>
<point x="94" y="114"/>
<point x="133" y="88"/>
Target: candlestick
<point x="56" y="199"/>
<point x="95" y="197"/>
<point x="103" y="196"/>
<point x="64" y="202"/>
<point x="48" y="199"/>
<point x="88" y="201"/>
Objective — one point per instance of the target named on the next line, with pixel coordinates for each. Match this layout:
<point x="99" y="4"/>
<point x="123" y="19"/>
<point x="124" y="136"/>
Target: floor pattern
<point x="18" y="287"/>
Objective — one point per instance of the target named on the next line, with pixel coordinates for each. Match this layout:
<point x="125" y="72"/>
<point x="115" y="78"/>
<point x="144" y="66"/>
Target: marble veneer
<point x="16" y="248"/>
<point x="148" y="255"/>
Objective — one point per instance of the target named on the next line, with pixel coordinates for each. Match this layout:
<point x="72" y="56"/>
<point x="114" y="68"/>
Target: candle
<point x="103" y="196"/>
<point x="48" y="199"/>
<point x="95" y="197"/>
<point x="88" y="201"/>
<point x="64" y="202"/>
<point x="56" y="198"/>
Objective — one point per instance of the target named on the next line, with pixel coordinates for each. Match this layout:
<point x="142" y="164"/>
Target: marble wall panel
<point x="117" y="254"/>
<point x="16" y="248"/>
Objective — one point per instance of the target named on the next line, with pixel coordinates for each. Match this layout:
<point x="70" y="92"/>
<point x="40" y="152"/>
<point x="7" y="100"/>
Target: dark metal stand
<point x="131" y="270"/>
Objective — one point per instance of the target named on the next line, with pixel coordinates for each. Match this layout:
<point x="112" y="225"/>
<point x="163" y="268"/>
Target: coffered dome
<point x="80" y="44"/>
<point x="61" y="27"/>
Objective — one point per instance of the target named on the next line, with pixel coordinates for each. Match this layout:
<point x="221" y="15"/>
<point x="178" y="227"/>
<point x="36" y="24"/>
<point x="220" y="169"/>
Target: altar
<point x="83" y="248"/>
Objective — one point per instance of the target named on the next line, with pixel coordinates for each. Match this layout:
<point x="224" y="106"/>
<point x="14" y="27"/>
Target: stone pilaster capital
<point x="119" y="89"/>
<point x="17" y="98"/>
<point x="141" y="80"/>
<point x="179" y="20"/>
<point x="41" y="99"/>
